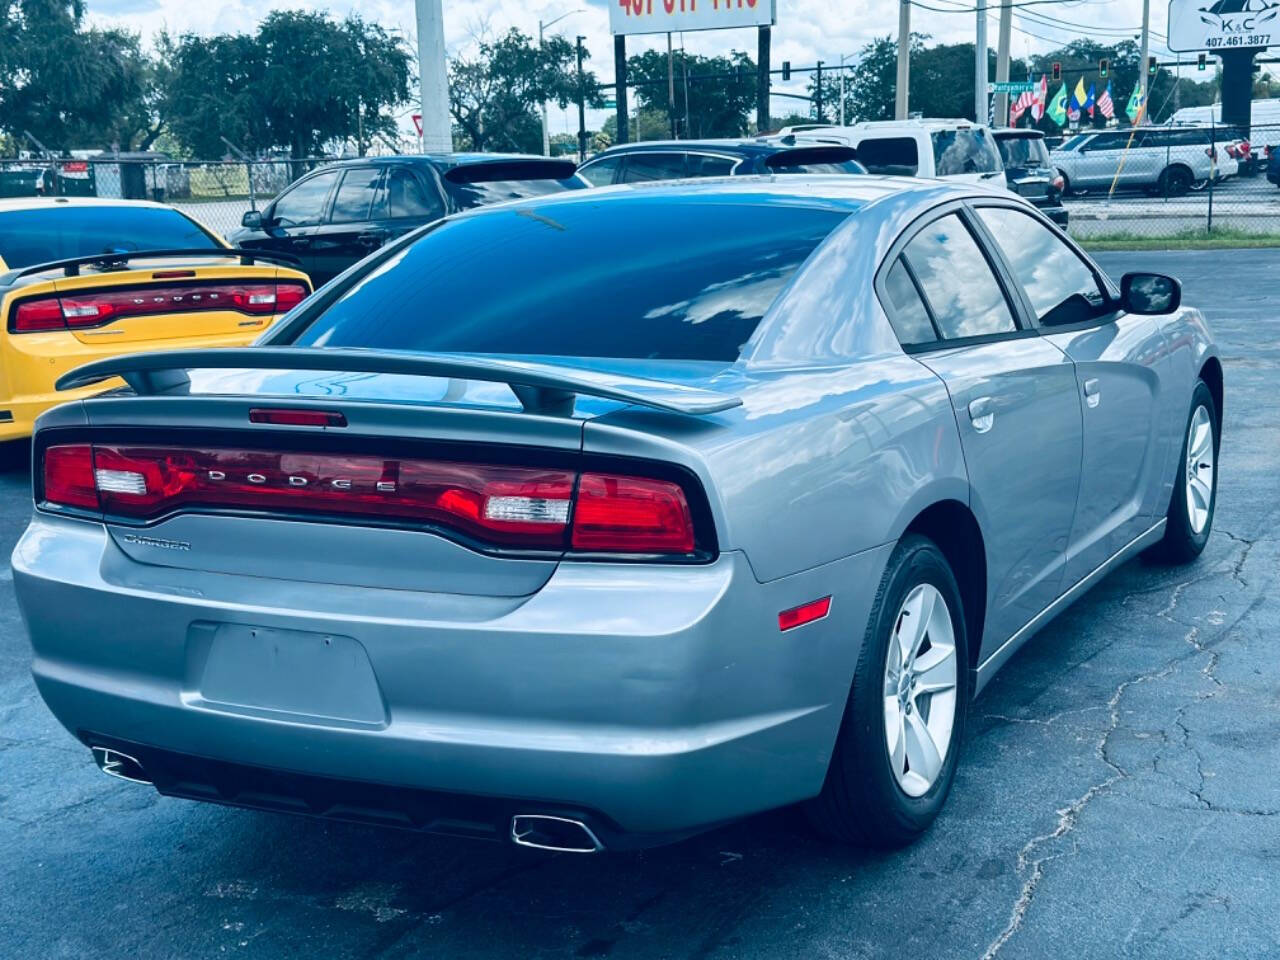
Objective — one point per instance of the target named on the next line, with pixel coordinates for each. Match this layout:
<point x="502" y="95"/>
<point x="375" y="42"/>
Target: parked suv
<point x="1029" y="172"/>
<point x="678" y="159"/>
<point x="1161" y="160"/>
<point x="338" y="214"/>
<point x="951" y="149"/>
<point x="1273" y="164"/>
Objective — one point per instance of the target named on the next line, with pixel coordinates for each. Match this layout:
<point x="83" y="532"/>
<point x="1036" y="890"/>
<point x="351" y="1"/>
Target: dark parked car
<point x="1029" y="172"/>
<point x="1273" y="164"/>
<point x="342" y="212"/>
<point x="678" y="159"/>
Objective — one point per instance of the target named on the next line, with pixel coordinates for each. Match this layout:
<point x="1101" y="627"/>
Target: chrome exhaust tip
<point x="119" y="765"/>
<point x="541" y="831"/>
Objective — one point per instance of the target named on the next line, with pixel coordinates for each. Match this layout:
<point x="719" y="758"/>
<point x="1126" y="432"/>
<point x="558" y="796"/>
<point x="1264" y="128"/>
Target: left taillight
<point x="68" y="476"/>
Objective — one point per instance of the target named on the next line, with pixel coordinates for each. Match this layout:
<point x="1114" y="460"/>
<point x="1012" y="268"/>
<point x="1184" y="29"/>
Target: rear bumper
<point x="656" y="699"/>
<point x="1055" y="211"/>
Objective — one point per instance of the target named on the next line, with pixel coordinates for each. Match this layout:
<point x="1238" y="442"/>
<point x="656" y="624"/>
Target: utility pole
<point x="904" y="60"/>
<point x="582" y="108"/>
<point x="620" y="88"/>
<point x="1002" y="62"/>
<point x="817" y="100"/>
<point x="1144" y="72"/>
<point x="763" y="53"/>
<point x="842" y="93"/>
<point x="671" y="87"/>
<point x="546" y="129"/>
<point x="433" y="81"/>
<point x="980" y="66"/>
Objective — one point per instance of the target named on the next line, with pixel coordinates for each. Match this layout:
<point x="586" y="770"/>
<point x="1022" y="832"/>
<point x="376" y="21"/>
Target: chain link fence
<point x="1173" y="182"/>
<point x="217" y="193"/>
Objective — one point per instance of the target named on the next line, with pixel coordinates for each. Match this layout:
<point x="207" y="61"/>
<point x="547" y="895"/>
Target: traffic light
<point x="1202" y="61"/>
<point x="1152" y="66"/>
<point x="1103" y="64"/>
<point x="1057" y="71"/>
<point x="786" y="70"/>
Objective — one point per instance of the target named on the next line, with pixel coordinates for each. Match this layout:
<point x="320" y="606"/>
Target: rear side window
<point x="691" y="281"/>
<point x="64" y="232"/>
<point x="304" y="203"/>
<point x="355" y="194"/>
<point x="401" y="196"/>
<point x="907" y="311"/>
<point x="602" y="172"/>
<point x="890" y="156"/>
<point x="642" y="167"/>
<point x="962" y="291"/>
<point x="701" y="166"/>
<point x="964" y="151"/>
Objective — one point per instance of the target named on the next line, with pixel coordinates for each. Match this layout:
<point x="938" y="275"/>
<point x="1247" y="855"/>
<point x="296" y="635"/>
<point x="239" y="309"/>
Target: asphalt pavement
<point x="1118" y="796"/>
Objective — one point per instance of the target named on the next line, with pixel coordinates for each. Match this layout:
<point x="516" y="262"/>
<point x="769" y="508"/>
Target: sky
<point x="806" y="31"/>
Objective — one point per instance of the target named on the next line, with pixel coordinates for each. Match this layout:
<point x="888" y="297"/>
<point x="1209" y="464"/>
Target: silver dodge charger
<point x="592" y="521"/>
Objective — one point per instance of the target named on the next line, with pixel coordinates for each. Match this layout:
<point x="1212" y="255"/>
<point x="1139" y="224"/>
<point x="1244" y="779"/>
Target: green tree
<point x="378" y="79"/>
<point x="213" y="94"/>
<point x="70" y="85"/>
<point x="646" y="124"/>
<point x="721" y="91"/>
<point x="496" y="93"/>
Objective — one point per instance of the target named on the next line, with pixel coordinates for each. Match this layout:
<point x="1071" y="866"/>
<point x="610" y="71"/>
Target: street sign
<point x="672" y="16"/>
<point x="611" y="104"/>
<point x="417" y="122"/>
<point x="1223" y="24"/>
<point x="1010" y="86"/>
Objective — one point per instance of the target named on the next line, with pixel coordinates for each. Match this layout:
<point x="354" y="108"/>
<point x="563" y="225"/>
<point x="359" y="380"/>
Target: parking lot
<point x="1118" y="795"/>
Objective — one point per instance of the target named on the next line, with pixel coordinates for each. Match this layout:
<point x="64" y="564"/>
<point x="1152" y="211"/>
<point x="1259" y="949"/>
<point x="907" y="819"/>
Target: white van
<point x="1266" y="113"/>
<point x="953" y="149"/>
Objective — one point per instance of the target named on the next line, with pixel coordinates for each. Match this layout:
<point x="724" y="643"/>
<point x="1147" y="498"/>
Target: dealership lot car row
<point x="397" y="561"/>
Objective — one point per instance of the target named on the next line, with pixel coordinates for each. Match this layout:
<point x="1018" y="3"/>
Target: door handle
<point x="301" y="242"/>
<point x="982" y="414"/>
<point x="371" y="238"/>
<point x="1092" y="392"/>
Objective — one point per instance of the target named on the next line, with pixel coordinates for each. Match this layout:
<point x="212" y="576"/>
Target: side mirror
<point x="252" y="219"/>
<point x="1149" y="293"/>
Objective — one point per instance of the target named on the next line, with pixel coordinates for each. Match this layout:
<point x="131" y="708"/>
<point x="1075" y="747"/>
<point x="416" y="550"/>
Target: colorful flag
<point x="1089" y="103"/>
<point x="1105" y="106"/>
<point x="1078" y="97"/>
<point x="1021" y="106"/>
<point x="1041" y="98"/>
<point x="1057" y="108"/>
<point x="1134" y="107"/>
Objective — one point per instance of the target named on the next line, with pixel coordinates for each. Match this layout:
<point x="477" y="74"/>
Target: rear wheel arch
<point x="952" y="526"/>
<point x="1211" y="374"/>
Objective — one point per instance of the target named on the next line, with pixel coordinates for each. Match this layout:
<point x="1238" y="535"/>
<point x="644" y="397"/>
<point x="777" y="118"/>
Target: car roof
<point x="439" y="160"/>
<point x="743" y="145"/>
<point x="1009" y="133"/>
<point x="48" y="203"/>
<point x="818" y="192"/>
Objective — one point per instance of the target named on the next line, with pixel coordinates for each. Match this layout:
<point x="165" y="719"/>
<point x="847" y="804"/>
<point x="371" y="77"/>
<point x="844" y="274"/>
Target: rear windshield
<point x="468" y="195"/>
<point x="848" y="166"/>
<point x="44" y="234"/>
<point x="1023" y="152"/>
<point x="645" y="278"/>
<point x="964" y="151"/>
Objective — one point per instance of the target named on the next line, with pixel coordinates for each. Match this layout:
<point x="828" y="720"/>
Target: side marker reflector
<point x="805" y="613"/>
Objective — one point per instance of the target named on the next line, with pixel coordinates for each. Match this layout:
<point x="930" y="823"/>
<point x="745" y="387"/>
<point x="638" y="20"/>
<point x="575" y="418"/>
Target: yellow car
<point x="83" y="279"/>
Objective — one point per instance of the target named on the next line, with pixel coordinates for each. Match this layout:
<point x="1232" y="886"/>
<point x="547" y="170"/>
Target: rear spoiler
<point x="540" y="387"/>
<point x="491" y="171"/>
<point x="800" y="156"/>
<point x="71" y="267"/>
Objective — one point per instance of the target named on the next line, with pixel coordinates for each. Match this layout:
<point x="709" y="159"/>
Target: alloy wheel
<point x="920" y="690"/>
<point x="1199" y="472"/>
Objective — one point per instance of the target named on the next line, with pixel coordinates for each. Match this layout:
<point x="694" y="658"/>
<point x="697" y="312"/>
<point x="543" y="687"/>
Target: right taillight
<point x="616" y="514"/>
<point x="532" y="508"/>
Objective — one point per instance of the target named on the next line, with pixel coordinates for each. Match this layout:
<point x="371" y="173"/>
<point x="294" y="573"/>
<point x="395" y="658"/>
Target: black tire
<point x="1175" y="181"/>
<point x="1181" y="543"/>
<point x="861" y="801"/>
